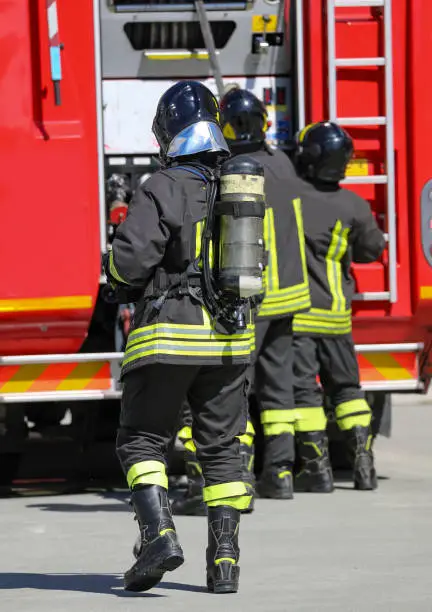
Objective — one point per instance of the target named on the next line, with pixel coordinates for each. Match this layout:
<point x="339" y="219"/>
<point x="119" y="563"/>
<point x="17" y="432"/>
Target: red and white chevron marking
<point x="53" y="30"/>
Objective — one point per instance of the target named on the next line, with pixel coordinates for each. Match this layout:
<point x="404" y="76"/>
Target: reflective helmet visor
<point x="201" y="137"/>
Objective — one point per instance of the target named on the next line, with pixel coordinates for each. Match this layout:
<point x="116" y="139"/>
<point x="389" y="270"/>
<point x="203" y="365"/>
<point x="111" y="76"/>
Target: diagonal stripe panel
<point x="52" y="376"/>
<point x="80" y="376"/>
<point x="23" y="378"/>
<point x="388" y="367"/>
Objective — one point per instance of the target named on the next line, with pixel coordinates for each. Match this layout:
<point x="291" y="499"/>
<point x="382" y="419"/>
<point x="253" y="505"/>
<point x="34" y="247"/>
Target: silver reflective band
<point x="198" y="138"/>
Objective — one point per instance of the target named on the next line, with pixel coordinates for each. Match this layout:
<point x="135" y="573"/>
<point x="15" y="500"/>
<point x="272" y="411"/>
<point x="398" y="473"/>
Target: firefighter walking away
<point x="339" y="228"/>
<point x="199" y="262"/>
<point x="286" y="289"/>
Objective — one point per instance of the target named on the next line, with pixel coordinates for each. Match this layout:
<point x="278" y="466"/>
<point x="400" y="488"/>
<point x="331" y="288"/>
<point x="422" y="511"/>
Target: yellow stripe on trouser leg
<point x="277" y="416"/>
<point x="277" y="429"/>
<point x="311" y="418"/>
<point x="147" y="473"/>
<point x="355" y="413"/>
<point x="234" y="494"/>
<point x="248" y="437"/>
<point x="277" y="422"/>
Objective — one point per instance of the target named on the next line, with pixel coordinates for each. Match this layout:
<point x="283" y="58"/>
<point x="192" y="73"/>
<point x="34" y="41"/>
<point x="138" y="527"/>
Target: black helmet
<point x="187" y="121"/>
<point x="244" y="117"/>
<point x="323" y="151"/>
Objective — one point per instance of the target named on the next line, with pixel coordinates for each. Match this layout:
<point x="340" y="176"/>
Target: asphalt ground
<point x="349" y="551"/>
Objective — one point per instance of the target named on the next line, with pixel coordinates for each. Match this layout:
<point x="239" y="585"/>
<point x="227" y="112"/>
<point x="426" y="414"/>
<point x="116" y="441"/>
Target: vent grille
<point x="176" y="35"/>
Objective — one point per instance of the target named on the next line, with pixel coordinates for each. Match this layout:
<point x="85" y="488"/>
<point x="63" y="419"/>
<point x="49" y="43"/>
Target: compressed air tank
<point x="241" y="208"/>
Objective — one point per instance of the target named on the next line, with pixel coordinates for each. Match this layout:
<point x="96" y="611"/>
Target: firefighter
<point x="191" y="502"/>
<point x="339" y="228"/>
<point x="287" y="290"/>
<point x="180" y="345"/>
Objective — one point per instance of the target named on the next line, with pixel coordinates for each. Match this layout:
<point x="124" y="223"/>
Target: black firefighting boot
<point x="247" y="454"/>
<point x="359" y="441"/>
<point x="276" y="480"/>
<point x="316" y="474"/>
<point x="191" y="503"/>
<point x="223" y="550"/>
<point x="159" y="550"/>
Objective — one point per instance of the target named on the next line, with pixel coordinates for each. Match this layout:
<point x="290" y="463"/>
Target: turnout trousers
<point x="271" y="376"/>
<point x="151" y="410"/>
<point x="333" y="359"/>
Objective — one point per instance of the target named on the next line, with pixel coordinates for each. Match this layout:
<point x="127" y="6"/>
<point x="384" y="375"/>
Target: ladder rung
<point x="360" y="62"/>
<point x="358" y="3"/>
<point x="372" y="296"/>
<point x="361" y="120"/>
<point x="372" y="179"/>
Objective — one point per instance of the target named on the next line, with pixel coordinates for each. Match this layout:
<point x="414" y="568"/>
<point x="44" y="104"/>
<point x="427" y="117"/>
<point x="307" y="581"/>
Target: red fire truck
<point x="79" y="83"/>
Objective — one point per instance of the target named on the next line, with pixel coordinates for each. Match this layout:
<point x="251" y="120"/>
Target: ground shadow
<point x="181" y="586"/>
<point x="349" y="485"/>
<point x="110" y="584"/>
<point x="121" y="504"/>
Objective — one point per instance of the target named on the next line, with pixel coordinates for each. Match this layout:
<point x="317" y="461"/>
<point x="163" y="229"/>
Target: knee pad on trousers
<point x="234" y="494"/>
<point x="276" y="422"/>
<point x="147" y="473"/>
<point x="354" y="413"/>
<point x="310" y="418"/>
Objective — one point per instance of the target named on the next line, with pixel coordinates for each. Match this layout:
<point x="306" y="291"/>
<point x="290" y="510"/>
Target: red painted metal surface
<point x="360" y="92"/>
<point x="49" y="245"/>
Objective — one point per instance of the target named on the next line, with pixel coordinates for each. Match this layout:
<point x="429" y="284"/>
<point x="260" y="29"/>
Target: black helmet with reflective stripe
<point x="323" y="151"/>
<point x="244" y="118"/>
<point x="187" y="122"/>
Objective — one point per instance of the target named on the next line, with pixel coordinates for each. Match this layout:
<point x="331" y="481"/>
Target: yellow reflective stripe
<point x="337" y="249"/>
<point x="359" y="420"/>
<point x="224" y="491"/>
<point x="277" y="429"/>
<point x="198" y="242"/>
<point x="271" y="275"/>
<point x="315" y="446"/>
<point x="311" y="418"/>
<point x="190" y="446"/>
<point x="250" y="428"/>
<point x="185" y="433"/>
<point x="64" y="302"/>
<point x="147" y="472"/>
<point x="198" y="237"/>
<point x="189" y="349"/>
<point x="164" y="531"/>
<point x="245" y="439"/>
<point x="277" y="416"/>
<point x="268" y="307"/>
<point x="241" y="502"/>
<point x="113" y="269"/>
<point x="284" y="473"/>
<point x="353" y="406"/>
<point x="194" y="332"/>
<point x="222" y="559"/>
<point x="323" y="321"/>
<point x="301" y="237"/>
<point x="339" y="289"/>
<point x="304" y="131"/>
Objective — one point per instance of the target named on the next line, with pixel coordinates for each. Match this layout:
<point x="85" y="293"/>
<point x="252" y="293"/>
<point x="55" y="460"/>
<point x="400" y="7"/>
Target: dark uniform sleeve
<point x="367" y="240"/>
<point x="140" y="241"/>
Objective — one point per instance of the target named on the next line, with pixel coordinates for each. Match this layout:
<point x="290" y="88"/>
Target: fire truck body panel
<point x="50" y="263"/>
<point x="50" y="246"/>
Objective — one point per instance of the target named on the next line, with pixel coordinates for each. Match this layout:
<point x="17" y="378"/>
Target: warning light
<point x="268" y="95"/>
<point x="280" y="96"/>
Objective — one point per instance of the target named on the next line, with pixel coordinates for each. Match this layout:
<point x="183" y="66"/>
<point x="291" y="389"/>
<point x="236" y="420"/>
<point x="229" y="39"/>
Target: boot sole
<point x="225" y="586"/>
<point x="145" y="574"/>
